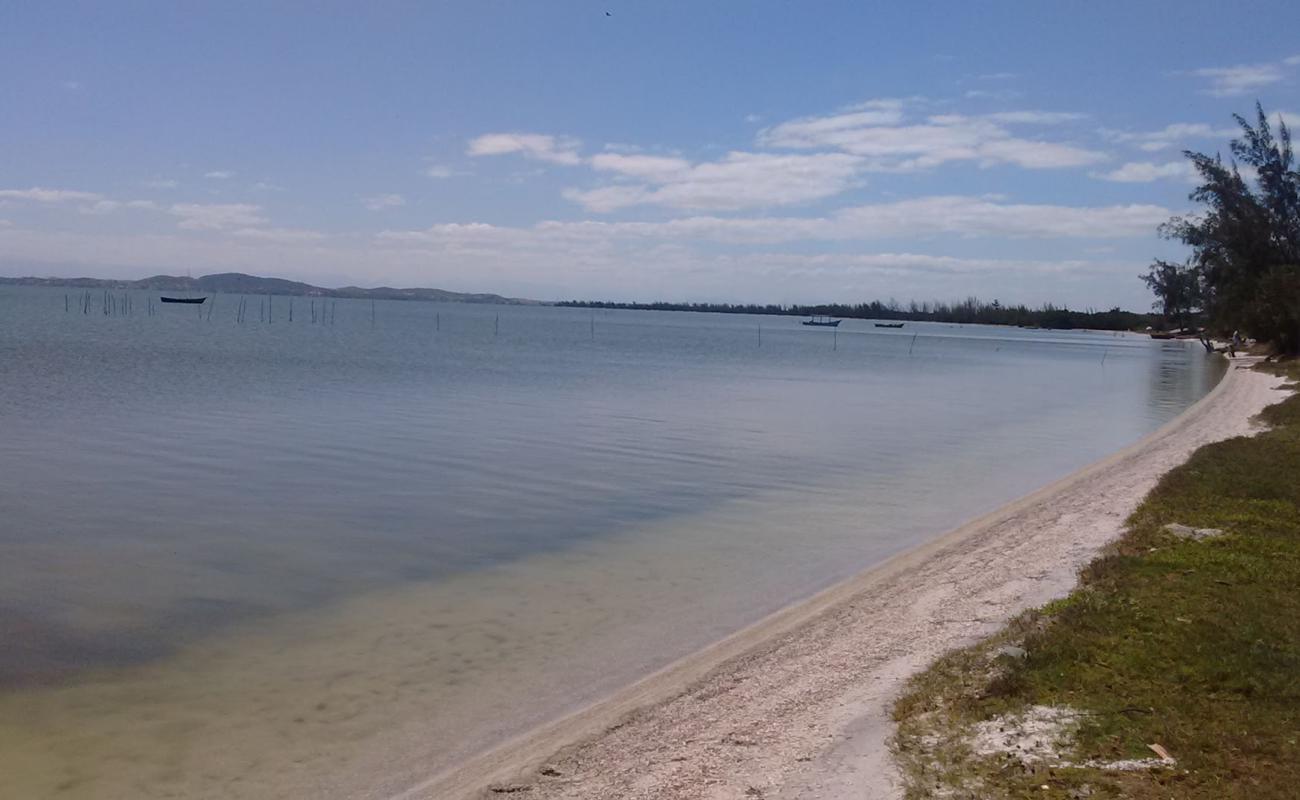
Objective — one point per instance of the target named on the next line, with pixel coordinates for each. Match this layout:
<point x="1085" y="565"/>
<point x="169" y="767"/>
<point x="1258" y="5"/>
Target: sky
<point x="773" y="152"/>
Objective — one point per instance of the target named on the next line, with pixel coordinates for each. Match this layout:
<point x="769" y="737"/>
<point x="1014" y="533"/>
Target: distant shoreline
<point x="240" y="283"/>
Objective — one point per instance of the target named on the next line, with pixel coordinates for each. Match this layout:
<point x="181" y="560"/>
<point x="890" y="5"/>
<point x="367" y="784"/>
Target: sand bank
<point x="796" y="706"/>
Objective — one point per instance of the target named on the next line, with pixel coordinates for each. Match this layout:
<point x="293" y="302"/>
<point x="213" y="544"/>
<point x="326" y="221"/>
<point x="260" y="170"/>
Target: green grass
<point x="1192" y="645"/>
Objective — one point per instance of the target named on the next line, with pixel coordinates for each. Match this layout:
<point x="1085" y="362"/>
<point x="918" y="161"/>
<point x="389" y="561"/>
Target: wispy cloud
<point x="1146" y="172"/>
<point x="39" y="194"/>
<point x="543" y="147"/>
<point x="891" y="144"/>
<point x="736" y="181"/>
<point x="216" y="216"/>
<point x="944" y="215"/>
<point x="219" y="175"/>
<point x="279" y="235"/>
<point x="1242" y="79"/>
<point x="1179" y="134"/>
<point x="160" y="183"/>
<point x="382" y="201"/>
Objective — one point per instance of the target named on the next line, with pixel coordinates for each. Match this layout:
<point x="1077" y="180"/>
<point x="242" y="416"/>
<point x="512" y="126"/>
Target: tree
<point x="1177" y="288"/>
<point x="1246" y="243"/>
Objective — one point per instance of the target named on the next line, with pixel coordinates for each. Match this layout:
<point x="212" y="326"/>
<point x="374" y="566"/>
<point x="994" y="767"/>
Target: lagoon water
<point x="327" y="560"/>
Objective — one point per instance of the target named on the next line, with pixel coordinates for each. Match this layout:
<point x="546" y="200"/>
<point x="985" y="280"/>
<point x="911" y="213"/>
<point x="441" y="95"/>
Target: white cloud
<point x="1035" y="117"/>
<point x="1179" y="134"/>
<point x="216" y="216"/>
<point x="38" y="194"/>
<point x="1146" y="172"/>
<point x="382" y="201"/>
<point x="101" y="207"/>
<point x="266" y="186"/>
<point x="438" y="171"/>
<point x="160" y="183"/>
<point x="540" y="146"/>
<point x="997" y="76"/>
<point x="279" y="235"/>
<point x="738" y="180"/>
<point x="967" y="217"/>
<point x="1241" y="78"/>
<point x="219" y="174"/>
<point x="890" y="145"/>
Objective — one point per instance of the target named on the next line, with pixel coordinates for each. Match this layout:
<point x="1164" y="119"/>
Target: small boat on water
<point x="889" y="324"/>
<point x="190" y="300"/>
<point x="823" y="322"/>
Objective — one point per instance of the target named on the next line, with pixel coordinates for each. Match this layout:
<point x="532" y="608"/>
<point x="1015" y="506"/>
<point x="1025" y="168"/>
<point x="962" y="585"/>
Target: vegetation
<point x="1244" y="271"/>
<point x="1190" y="644"/>
<point x="970" y="310"/>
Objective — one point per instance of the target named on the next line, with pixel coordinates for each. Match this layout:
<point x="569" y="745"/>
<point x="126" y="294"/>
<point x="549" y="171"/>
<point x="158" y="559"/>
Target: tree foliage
<point x="1244" y="272"/>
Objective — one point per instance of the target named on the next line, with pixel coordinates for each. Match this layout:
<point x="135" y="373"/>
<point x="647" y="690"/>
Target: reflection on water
<point x="326" y="560"/>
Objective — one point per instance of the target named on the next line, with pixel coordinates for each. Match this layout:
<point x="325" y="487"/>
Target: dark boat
<point x="889" y="324"/>
<point x="823" y="322"/>
<point x="191" y="300"/>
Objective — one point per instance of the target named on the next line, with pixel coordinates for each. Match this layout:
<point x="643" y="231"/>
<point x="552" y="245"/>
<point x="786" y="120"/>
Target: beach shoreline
<point x="797" y="705"/>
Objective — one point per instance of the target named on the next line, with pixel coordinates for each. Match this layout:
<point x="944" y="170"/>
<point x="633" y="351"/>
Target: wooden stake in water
<point x="1103" y="356"/>
<point x="496" y="326"/>
<point x="835" y="339"/>
<point x="437" y="321"/>
<point x="291" y="309"/>
<point x="913" y="344"/>
<point x="270" y="311"/>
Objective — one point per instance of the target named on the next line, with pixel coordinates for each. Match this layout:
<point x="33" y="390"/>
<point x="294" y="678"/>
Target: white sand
<point x="796" y="706"/>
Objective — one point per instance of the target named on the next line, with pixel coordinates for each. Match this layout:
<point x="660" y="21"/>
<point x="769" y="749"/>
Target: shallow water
<point x="328" y="559"/>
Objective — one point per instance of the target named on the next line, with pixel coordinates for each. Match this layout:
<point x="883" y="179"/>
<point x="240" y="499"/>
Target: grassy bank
<point x="1189" y="640"/>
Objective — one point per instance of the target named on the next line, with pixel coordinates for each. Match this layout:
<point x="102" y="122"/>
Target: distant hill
<point x="239" y="283"/>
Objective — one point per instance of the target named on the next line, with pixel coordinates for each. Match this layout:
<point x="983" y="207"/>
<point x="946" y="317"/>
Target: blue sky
<point x="758" y="152"/>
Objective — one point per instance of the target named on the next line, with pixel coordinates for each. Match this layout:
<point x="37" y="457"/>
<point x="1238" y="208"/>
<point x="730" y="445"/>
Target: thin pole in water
<point x="65" y="304"/>
<point x="270" y="310"/>
<point x="291" y="309"/>
<point x="913" y="344"/>
<point x="1103" y="356"/>
<point x="496" y="326"/>
<point x="835" y="339"/>
<point x="437" y="321"/>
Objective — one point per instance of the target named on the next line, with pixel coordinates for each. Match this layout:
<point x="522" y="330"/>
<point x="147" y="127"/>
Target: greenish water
<point x="297" y="559"/>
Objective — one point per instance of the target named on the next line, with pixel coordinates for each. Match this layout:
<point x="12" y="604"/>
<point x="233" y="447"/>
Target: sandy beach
<point x="796" y="706"/>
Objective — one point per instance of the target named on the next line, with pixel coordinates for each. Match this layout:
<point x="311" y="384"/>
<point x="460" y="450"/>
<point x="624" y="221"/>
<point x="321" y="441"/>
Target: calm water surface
<point x="297" y="559"/>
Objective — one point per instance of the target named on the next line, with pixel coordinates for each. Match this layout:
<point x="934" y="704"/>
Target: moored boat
<point x="824" y="322"/>
<point x="889" y="324"/>
<point x="190" y="300"/>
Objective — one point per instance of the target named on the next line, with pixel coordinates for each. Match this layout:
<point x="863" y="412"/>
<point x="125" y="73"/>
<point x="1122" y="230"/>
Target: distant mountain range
<point x="239" y="283"/>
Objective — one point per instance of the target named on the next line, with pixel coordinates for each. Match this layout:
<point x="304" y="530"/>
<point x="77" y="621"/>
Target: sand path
<point x="796" y="707"/>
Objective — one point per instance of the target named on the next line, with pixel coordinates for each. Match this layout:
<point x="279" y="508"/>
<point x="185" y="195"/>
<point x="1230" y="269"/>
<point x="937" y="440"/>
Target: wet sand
<point x="796" y="706"/>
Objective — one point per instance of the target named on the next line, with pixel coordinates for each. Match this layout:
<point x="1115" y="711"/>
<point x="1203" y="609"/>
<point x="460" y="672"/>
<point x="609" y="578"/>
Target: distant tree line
<point x="970" y="310"/>
<point x="1244" y="271"/>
